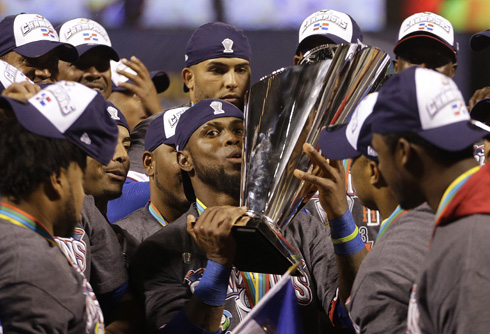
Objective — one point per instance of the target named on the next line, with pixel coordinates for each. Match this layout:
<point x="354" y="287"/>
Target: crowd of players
<point x="116" y="215"/>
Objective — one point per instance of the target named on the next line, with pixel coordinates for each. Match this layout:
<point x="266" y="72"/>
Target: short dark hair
<point x="438" y="154"/>
<point x="27" y="160"/>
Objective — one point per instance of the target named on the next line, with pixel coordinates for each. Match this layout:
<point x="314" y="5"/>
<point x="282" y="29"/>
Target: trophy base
<point x="259" y="249"/>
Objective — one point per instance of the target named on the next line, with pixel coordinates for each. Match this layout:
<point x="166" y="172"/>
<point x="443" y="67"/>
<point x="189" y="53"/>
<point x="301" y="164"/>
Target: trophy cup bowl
<point x="283" y="111"/>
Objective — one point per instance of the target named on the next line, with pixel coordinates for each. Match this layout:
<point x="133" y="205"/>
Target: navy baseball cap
<point x="354" y="138"/>
<point x="216" y="40"/>
<point x="117" y="116"/>
<point x="32" y="35"/>
<point x="10" y="74"/>
<point x="480" y="40"/>
<point x="481" y="110"/>
<point x="162" y="129"/>
<point x="428" y="25"/>
<point x="199" y="114"/>
<point x="428" y="103"/>
<point x="160" y="78"/>
<point x="72" y="111"/>
<point x="334" y="26"/>
<point x="86" y="34"/>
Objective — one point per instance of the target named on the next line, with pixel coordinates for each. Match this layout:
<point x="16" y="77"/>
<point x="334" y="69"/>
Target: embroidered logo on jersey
<point x="95" y="318"/>
<point x="320" y="26"/>
<point x="75" y="249"/>
<point x="238" y="292"/>
<point x="113" y="112"/>
<point x="479" y="154"/>
<point x="217" y="107"/>
<point x="225" y="320"/>
<point x="193" y="277"/>
<point x="413" y="313"/>
<point x="228" y="45"/>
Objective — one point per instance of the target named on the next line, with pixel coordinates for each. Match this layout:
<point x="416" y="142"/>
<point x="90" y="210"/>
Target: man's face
<point x="220" y="78"/>
<point x="92" y="69"/>
<point x="167" y="176"/>
<point x="130" y="105"/>
<point x="42" y="69"/>
<point x="360" y="178"/>
<point x="216" y="152"/>
<point x="70" y="211"/>
<point x="404" y="186"/>
<point x="426" y="53"/>
<point x="106" y="182"/>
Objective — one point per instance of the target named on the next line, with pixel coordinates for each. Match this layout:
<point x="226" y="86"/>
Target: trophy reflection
<point x="285" y="110"/>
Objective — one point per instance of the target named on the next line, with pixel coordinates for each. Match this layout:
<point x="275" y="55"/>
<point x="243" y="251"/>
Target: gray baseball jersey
<point x="40" y="292"/>
<point x="95" y="250"/>
<point x="452" y="291"/>
<point x="140" y="224"/>
<point x="169" y="264"/>
<point x="381" y="291"/>
<point x="367" y="220"/>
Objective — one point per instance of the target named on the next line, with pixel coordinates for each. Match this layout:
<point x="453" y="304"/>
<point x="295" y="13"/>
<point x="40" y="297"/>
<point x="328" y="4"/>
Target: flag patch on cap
<point x="426" y="26"/>
<point x="320" y="26"/>
<point x="48" y="32"/>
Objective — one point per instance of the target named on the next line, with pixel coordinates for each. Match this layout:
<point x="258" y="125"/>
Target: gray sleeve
<point x="383" y="307"/>
<point x="465" y="309"/>
<point x="46" y="315"/>
<point x="153" y="274"/>
<point x="107" y="264"/>
<point x="323" y="264"/>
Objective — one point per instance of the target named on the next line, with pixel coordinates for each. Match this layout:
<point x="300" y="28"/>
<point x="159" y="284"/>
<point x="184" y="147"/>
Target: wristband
<point x="345" y="235"/>
<point x="213" y="285"/>
<point x="342" y="227"/>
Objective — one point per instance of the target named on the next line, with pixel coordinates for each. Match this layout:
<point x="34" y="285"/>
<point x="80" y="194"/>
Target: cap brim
<point x="67" y="52"/>
<point x="481" y="110"/>
<point x="335" y="146"/>
<point x="160" y="80"/>
<point x="480" y="41"/>
<point x="321" y="39"/>
<point x="84" y="48"/>
<point x="454" y="137"/>
<point x="414" y="35"/>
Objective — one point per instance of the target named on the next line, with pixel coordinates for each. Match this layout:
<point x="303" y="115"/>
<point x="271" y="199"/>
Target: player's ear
<point x="149" y="163"/>
<point x="396" y="66"/>
<point x="376" y="179"/>
<point x="185" y="161"/>
<point x="296" y="59"/>
<point x="453" y="69"/>
<point x="188" y="77"/>
<point x="54" y="186"/>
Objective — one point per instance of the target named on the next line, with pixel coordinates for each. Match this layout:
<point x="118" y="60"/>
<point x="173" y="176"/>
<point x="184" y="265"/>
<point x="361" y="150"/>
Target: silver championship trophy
<point x="285" y="110"/>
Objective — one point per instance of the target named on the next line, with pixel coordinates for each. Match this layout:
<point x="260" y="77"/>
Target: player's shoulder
<point x="134" y="218"/>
